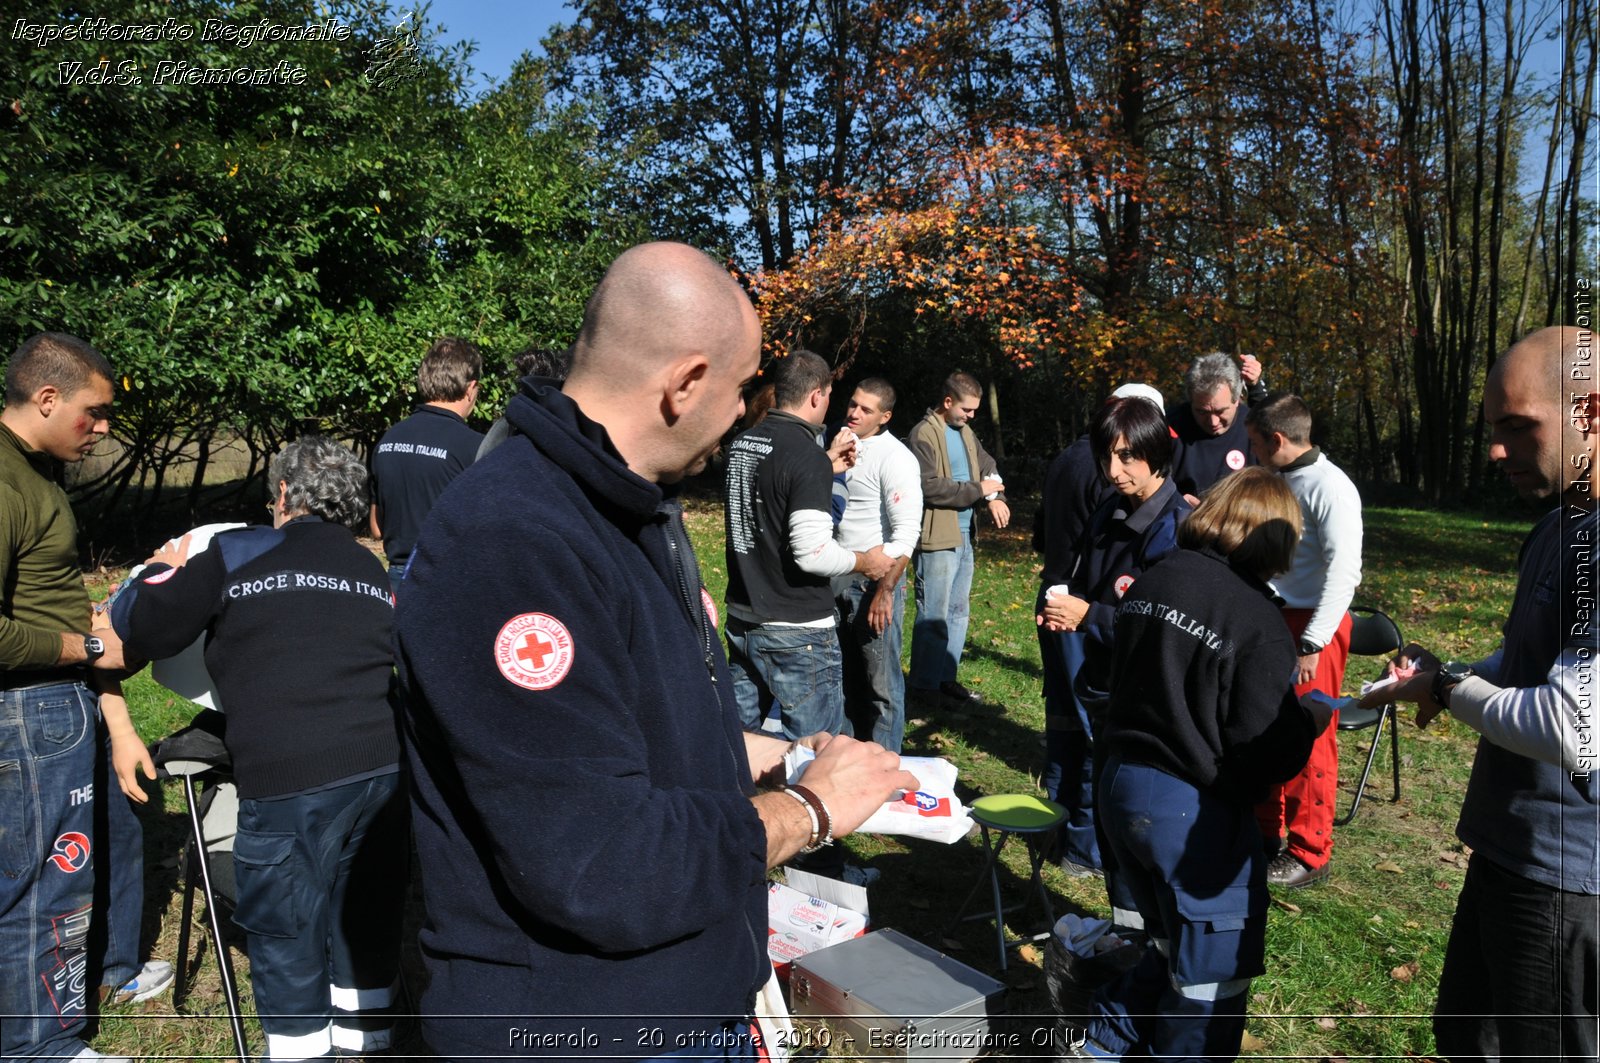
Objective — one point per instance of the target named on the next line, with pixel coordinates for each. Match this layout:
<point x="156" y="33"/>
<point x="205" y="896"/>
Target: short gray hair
<point x="1211" y="371"/>
<point x="323" y="478"/>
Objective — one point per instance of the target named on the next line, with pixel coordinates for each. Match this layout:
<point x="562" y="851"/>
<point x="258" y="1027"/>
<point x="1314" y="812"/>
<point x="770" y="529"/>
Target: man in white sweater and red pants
<point x="1316" y="593"/>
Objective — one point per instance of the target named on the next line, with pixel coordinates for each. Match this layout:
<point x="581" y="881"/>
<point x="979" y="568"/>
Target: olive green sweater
<point x="41" y="586"/>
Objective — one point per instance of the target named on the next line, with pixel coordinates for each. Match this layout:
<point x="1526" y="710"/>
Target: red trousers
<point x="1305" y="804"/>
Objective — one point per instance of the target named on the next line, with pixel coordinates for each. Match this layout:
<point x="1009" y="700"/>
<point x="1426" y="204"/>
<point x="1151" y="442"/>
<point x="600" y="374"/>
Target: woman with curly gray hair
<point x="296" y="620"/>
<point x="317" y="477"/>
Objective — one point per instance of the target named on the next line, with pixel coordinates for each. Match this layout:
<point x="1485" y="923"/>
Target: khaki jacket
<point x="942" y="496"/>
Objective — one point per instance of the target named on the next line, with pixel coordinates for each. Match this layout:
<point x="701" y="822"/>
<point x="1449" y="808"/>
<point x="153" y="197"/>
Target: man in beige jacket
<point x="958" y="476"/>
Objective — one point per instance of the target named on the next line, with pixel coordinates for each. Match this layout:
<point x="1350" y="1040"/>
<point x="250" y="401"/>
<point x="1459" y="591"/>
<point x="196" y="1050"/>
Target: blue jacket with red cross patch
<point x="593" y="867"/>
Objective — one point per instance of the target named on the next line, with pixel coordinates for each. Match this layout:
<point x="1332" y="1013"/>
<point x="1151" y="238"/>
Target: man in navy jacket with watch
<point x="1519" y="978"/>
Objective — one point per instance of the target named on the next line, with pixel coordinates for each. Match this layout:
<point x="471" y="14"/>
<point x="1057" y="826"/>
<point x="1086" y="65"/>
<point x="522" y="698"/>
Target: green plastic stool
<point x="1008" y="814"/>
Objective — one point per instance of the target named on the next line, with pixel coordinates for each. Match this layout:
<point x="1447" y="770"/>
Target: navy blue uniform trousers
<point x="1196" y="869"/>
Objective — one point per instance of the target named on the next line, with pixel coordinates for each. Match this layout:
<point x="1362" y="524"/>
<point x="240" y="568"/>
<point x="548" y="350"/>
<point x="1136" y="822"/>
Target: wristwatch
<point x="94" y="647"/>
<point x="1307" y="648"/>
<point x="1445" y="679"/>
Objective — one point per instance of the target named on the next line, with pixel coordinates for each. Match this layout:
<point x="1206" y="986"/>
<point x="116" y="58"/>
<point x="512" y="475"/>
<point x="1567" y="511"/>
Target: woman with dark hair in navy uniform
<point x="1202" y="719"/>
<point x="1129" y="532"/>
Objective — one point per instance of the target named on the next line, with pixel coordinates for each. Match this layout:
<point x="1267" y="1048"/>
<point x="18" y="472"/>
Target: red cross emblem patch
<point x="1235" y="460"/>
<point x="1124" y="581"/>
<point x="534" y="651"/>
<point x="711" y="608"/>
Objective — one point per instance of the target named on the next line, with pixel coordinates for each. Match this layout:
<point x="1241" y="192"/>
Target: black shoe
<point x="1076" y="870"/>
<point x="960" y="694"/>
<point x="1290" y="873"/>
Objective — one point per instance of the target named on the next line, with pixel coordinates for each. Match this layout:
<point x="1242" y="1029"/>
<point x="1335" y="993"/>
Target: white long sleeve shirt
<point x="1327" y="563"/>
<point x="883" y="498"/>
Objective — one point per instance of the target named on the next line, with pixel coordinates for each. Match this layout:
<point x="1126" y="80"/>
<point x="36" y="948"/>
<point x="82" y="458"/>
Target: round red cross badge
<point x="1235" y="460"/>
<point x="711" y="607"/>
<point x="1124" y="581"/>
<point x="160" y="577"/>
<point x="534" y="651"/>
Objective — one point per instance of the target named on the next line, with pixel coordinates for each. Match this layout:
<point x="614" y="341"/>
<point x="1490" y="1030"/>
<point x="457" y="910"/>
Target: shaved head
<point x="669" y="340"/>
<point x="656" y="302"/>
<point x="1537" y="358"/>
<point x="1541" y="433"/>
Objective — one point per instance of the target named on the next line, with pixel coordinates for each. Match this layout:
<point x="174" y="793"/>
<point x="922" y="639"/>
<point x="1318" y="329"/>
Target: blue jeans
<point x="1068" y="777"/>
<point x="48" y="748"/>
<point x="874" y="685"/>
<point x="114" y="956"/>
<point x="796" y="668"/>
<point x="1519" y="972"/>
<point x="944" y="583"/>
<point x="321" y="880"/>
<point x="1195" y="867"/>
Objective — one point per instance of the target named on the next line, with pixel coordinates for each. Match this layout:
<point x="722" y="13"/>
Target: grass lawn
<point x="1353" y="964"/>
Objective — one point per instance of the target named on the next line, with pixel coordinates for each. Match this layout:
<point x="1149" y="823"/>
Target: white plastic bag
<point x="933" y="811"/>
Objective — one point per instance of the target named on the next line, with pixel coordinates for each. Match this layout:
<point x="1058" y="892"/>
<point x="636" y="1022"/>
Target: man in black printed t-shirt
<point x="417" y="458"/>
<point x="782" y="644"/>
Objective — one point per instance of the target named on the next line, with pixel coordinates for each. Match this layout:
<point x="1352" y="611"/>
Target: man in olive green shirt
<point x="57" y="402"/>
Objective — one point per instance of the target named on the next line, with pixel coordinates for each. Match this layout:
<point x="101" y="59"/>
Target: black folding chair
<point x="197" y="754"/>
<point x="1372" y="634"/>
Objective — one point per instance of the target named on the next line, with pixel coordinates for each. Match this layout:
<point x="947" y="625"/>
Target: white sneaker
<point x="153" y="979"/>
<point x="89" y="1055"/>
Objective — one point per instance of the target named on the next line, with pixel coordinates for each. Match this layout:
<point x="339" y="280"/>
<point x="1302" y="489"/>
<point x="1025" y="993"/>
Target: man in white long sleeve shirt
<point x="782" y="557"/>
<point x="1316" y="592"/>
<point x="883" y="507"/>
<point x="1520" y="972"/>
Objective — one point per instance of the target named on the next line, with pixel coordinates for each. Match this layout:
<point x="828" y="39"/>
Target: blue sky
<point x="503" y="30"/>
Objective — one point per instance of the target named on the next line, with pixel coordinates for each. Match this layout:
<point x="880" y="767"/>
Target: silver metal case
<point x="887" y="996"/>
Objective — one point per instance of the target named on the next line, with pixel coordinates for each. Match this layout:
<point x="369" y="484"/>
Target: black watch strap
<point x="1445" y="679"/>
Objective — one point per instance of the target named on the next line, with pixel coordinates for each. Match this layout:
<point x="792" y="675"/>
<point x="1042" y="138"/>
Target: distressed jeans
<point x="874" y="685"/>
<point x="798" y="668"/>
<point x="944" y="583"/>
<point x="48" y="748"/>
<point x="114" y="955"/>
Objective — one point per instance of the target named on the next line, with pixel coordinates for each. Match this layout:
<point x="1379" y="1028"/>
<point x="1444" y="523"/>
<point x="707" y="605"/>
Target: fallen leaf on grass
<point x="1389" y="867"/>
<point x="1286" y="905"/>
<point x="1406" y="971"/>
<point x="1028" y="954"/>
<point x="1326" y="1023"/>
<point x="1251" y="1043"/>
<point x="1441" y="885"/>
<point x="1454" y="859"/>
<point x="1412" y="924"/>
<point x="1360" y="1008"/>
